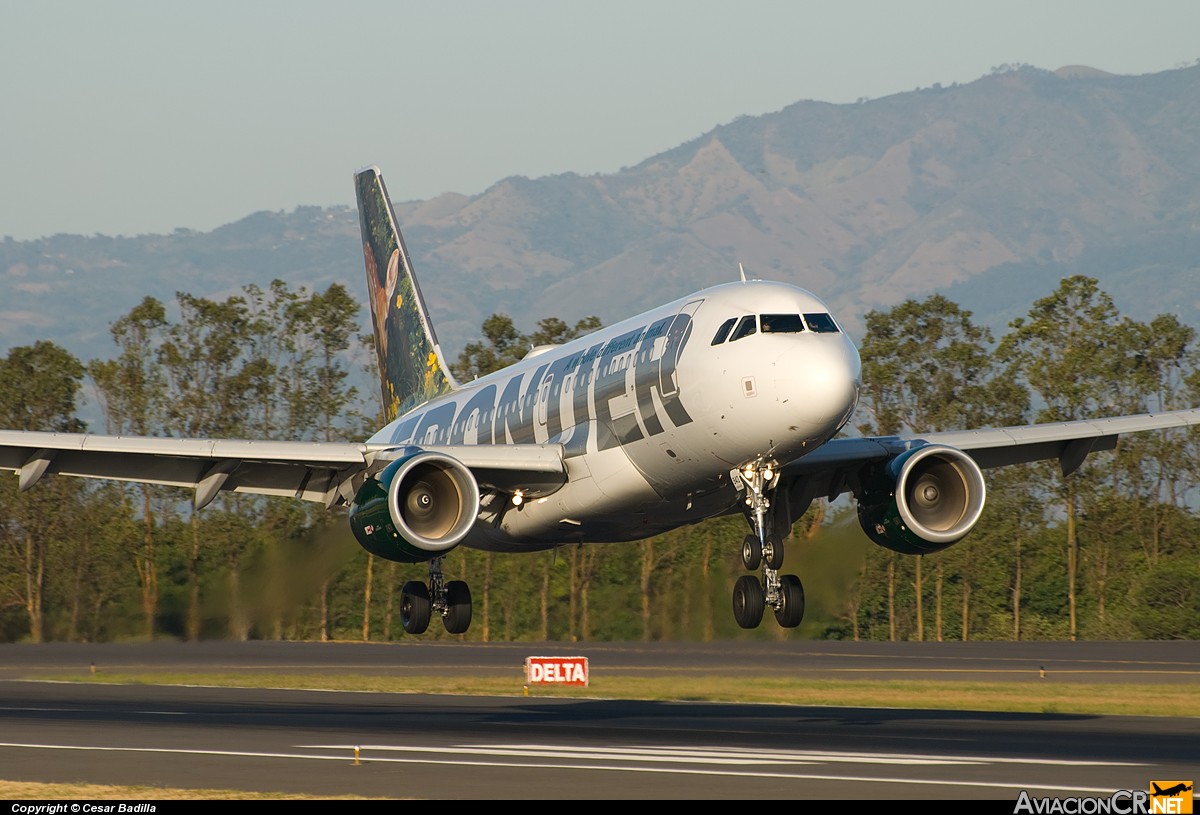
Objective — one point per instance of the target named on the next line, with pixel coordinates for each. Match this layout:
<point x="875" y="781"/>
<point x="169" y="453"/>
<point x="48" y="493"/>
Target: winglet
<point x="412" y="368"/>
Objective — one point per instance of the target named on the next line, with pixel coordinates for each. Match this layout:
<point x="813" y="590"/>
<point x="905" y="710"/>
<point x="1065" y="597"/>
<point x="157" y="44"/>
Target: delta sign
<point x="556" y="671"/>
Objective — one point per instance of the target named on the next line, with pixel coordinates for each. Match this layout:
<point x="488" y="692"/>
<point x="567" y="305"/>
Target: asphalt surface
<point x="1125" y="662"/>
<point x="525" y="748"/>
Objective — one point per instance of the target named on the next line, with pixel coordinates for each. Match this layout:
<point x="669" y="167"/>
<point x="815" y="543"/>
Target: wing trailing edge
<point x="313" y="471"/>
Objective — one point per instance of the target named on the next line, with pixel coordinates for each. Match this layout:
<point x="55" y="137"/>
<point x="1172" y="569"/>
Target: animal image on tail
<point x="411" y="367"/>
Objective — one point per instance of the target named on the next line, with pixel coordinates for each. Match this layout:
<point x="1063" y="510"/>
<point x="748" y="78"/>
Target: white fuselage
<point x="652" y="414"/>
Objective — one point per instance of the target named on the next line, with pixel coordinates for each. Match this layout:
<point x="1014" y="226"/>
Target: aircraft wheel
<point x="775" y="560"/>
<point x="748" y="602"/>
<point x="414" y="607"/>
<point x="791" y="611"/>
<point x="458" y="607"/>
<point x="751" y="552"/>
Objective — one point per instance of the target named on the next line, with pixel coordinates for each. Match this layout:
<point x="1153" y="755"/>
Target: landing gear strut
<point x="764" y="547"/>
<point x="449" y="599"/>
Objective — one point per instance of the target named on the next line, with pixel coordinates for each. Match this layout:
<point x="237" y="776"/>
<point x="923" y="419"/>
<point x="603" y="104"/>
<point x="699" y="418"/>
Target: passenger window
<point x="723" y="331"/>
<point x="821" y="323"/>
<point x="781" y="323"/>
<point x="745" y="328"/>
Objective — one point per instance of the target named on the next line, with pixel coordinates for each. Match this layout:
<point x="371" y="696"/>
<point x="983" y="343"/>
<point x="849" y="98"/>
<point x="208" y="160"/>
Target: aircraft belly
<point x="599" y="491"/>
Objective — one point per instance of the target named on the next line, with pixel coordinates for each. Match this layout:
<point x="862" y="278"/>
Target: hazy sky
<point x="135" y="117"/>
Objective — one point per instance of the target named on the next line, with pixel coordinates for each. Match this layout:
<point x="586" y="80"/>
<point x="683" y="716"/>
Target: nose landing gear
<point x="784" y="594"/>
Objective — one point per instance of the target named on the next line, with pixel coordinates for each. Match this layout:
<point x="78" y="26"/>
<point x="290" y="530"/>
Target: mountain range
<point x="988" y="192"/>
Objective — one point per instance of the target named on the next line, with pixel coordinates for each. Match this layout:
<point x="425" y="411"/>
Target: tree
<point x="209" y="384"/>
<point x="927" y="367"/>
<point x="132" y="391"/>
<point x="321" y="327"/>
<point x="38" y="387"/>
<point x="1070" y="353"/>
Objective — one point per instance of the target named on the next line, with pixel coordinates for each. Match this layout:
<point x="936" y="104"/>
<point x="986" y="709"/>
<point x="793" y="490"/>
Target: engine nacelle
<point x="418" y="507"/>
<point x="922" y="500"/>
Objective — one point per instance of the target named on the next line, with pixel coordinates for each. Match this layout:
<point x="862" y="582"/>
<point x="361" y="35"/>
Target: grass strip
<point x="1044" y="696"/>
<point x="37" y="791"/>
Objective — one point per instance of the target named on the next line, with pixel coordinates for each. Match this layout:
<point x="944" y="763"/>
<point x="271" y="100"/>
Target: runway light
<point x="356" y="762"/>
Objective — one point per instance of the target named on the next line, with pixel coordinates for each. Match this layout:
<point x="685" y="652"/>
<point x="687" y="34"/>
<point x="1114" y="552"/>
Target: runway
<point x="462" y="747"/>
<point x="1124" y="662"/>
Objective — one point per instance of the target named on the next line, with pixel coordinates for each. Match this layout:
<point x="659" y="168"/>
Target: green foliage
<point x="1168" y="600"/>
<point x="926" y="367"/>
<point x="503" y="344"/>
<point x="39" y="384"/>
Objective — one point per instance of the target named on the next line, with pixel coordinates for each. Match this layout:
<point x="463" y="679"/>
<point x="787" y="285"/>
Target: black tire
<point x="751" y="552"/>
<point x="414" y="607"/>
<point x="458" y="607"/>
<point x="791" y="611"/>
<point x="748" y="602"/>
<point x="775" y="561"/>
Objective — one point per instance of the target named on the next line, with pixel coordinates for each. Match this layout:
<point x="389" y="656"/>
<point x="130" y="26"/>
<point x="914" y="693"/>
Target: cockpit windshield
<point x="734" y="329"/>
<point x="745" y="328"/>
<point x="821" y="323"/>
<point x="781" y="323"/>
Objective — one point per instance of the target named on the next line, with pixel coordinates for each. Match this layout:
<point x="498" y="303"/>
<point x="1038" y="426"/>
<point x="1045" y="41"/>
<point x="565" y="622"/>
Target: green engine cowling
<point x="923" y="500"/>
<point x="415" y="509"/>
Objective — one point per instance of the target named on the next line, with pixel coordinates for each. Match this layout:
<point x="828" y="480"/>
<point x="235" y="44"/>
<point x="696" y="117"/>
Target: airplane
<point x="727" y="401"/>
<point x="1170" y="791"/>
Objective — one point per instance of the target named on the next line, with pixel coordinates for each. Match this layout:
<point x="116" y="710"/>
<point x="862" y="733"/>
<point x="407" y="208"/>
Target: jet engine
<point x="922" y="500"/>
<point x="417" y="508"/>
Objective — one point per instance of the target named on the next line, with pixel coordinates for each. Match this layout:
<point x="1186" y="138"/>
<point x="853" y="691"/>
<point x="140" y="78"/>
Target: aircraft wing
<point x="313" y="471"/>
<point x="1069" y="442"/>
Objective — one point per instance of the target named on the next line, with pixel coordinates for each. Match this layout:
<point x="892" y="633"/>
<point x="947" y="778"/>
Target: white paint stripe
<point x="634" y="754"/>
<point x="938" y="782"/>
<point x="747" y="755"/>
<point x="886" y="757"/>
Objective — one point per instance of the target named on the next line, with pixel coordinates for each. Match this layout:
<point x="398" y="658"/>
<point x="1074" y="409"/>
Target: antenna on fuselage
<point x="741" y="271"/>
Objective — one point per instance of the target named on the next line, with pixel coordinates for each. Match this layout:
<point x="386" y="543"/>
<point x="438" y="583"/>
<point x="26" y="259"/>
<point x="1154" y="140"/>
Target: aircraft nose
<point x="819" y="379"/>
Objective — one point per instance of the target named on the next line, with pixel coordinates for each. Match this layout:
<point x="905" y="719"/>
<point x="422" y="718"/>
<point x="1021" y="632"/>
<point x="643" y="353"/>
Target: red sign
<point x="556" y="671"/>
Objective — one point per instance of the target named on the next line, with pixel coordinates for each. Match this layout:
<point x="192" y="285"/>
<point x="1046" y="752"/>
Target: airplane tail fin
<point x="412" y="368"/>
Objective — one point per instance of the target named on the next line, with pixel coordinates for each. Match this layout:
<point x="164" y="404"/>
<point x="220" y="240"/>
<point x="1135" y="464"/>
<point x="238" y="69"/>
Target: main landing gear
<point x="452" y="600"/>
<point x="764" y="548"/>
